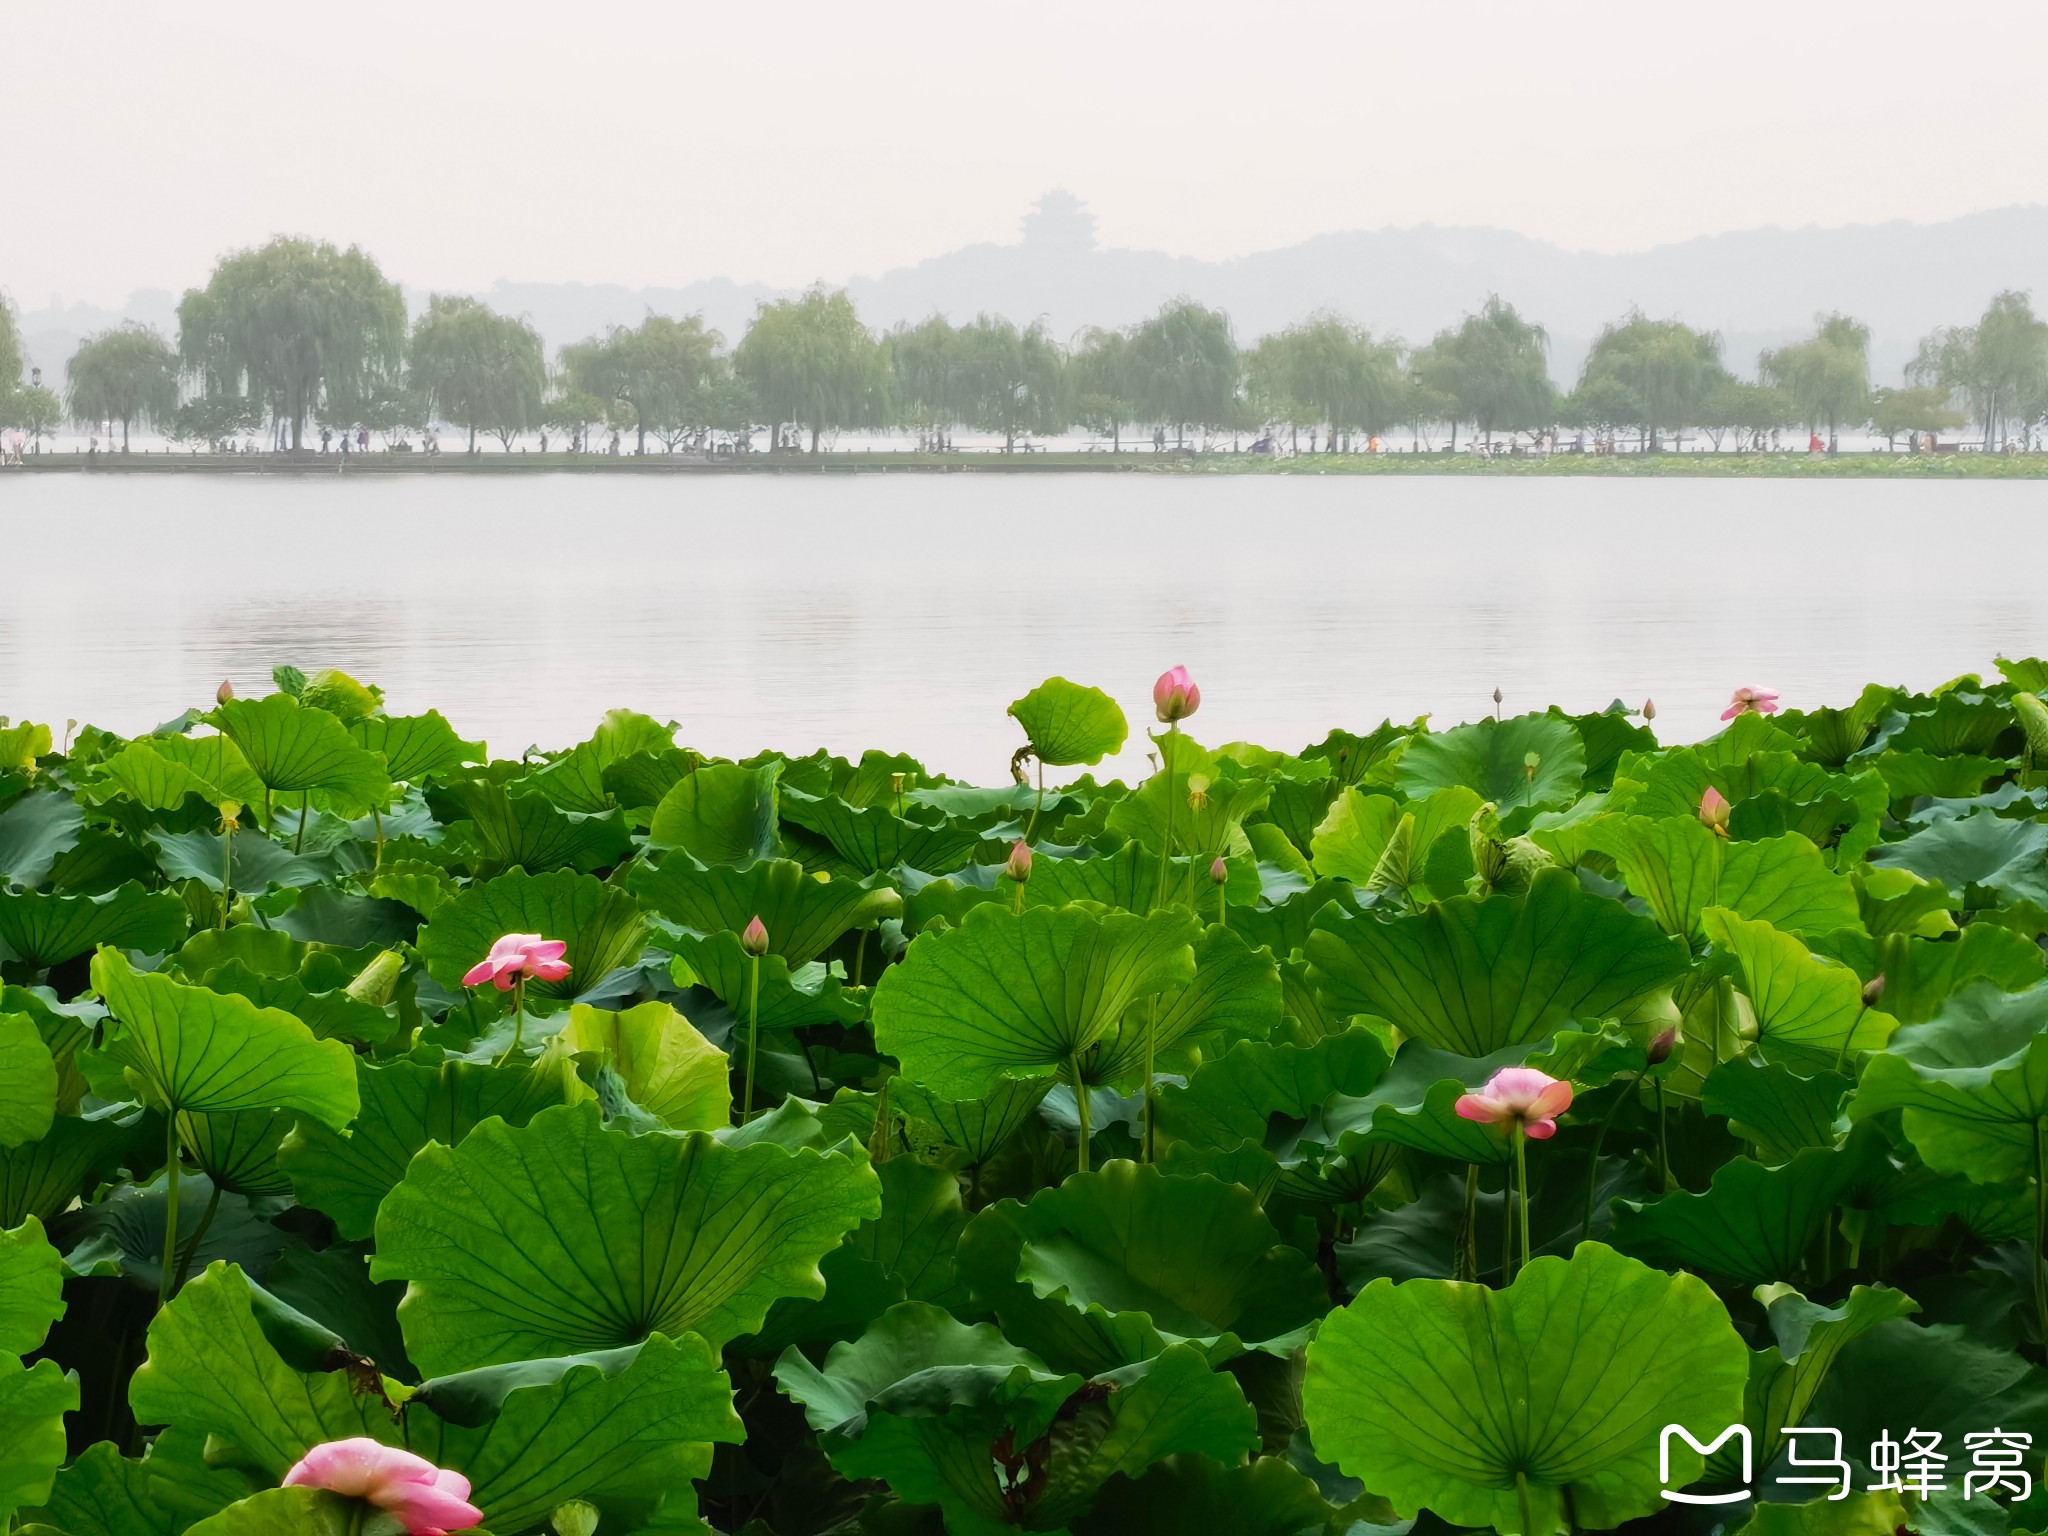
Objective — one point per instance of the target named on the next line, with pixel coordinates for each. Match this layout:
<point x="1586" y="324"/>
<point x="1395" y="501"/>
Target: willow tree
<point x="290" y="321"/>
<point x="1099" y="376"/>
<point x="1827" y="376"/>
<point x="928" y="369"/>
<point x="1997" y="367"/>
<point x="663" y="368"/>
<point x="10" y="346"/>
<point x="1016" y="380"/>
<point x="1665" y="368"/>
<point x="128" y="374"/>
<point x="810" y="362"/>
<point x="1495" y="368"/>
<point x="478" y="369"/>
<point x="1184" y="368"/>
<point x="1330" y="372"/>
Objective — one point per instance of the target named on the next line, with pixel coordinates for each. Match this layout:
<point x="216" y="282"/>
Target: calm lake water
<point x="906" y="611"/>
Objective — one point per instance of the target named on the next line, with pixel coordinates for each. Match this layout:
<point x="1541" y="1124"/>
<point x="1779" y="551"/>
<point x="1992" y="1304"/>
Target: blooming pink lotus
<point x="1714" y="811"/>
<point x="1747" y="700"/>
<point x="428" y="1500"/>
<point x="517" y="956"/>
<point x="1519" y="1096"/>
<point x="1175" y="696"/>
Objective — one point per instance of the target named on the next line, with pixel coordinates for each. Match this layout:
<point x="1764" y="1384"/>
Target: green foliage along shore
<point x="307" y="337"/>
<point x="1404" y="1128"/>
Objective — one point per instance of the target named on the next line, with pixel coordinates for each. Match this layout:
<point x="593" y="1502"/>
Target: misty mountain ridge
<point x="1757" y="288"/>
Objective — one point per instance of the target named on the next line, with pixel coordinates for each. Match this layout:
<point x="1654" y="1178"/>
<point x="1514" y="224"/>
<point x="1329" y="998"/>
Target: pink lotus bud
<point x="754" y="940"/>
<point x="427" y="1500"/>
<point x="1497" y="696"/>
<point x="1873" y="990"/>
<point x="1175" y="696"/>
<point x="1019" y="866"/>
<point x="1218" y="870"/>
<point x="1519" y="1096"/>
<point x="1714" y="810"/>
<point x="1760" y="700"/>
<point x="224" y="692"/>
<point x="519" y="955"/>
<point x="1649" y="709"/>
<point x="1662" y="1045"/>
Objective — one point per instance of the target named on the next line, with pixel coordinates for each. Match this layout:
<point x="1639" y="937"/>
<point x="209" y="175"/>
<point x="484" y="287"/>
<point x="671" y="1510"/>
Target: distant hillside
<point x="1758" y="288"/>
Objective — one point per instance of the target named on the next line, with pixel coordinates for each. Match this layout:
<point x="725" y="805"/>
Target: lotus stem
<point x="1522" y="1498"/>
<point x="172" y="1154"/>
<point x="305" y="810"/>
<point x="1166" y="842"/>
<point x="518" y="1019"/>
<point x="1663" y="1144"/>
<point x="1036" y="805"/>
<point x="1522" y="1188"/>
<point x="227" y="865"/>
<point x="1466" y="1259"/>
<point x="1600" y="1136"/>
<point x="198" y="1237"/>
<point x="1151" y="1038"/>
<point x="1842" y="1055"/>
<point x="860" y="956"/>
<point x="1081" y="1109"/>
<point x="753" y="1032"/>
<point x="377" y="821"/>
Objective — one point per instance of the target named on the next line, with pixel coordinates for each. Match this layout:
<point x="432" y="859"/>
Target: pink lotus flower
<point x="1018" y="866"/>
<point x="428" y="1500"/>
<point x="1175" y="696"/>
<point x="1714" y="809"/>
<point x="1218" y="870"/>
<point x="517" y="956"/>
<point x="1760" y="700"/>
<point x="754" y="937"/>
<point x="1519" y="1096"/>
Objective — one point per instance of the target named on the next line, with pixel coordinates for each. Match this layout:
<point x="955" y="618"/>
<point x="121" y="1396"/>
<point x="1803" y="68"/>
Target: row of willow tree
<point x="299" y="333"/>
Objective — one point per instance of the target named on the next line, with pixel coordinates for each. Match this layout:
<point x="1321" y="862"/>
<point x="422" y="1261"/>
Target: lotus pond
<point x="1520" y="1126"/>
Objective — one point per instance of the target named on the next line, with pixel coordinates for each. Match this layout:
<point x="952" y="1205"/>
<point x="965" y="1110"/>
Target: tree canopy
<point x="1663" y="369"/>
<point x="1494" y="369"/>
<point x="478" y="369"/>
<point x="663" y="368"/>
<point x="812" y="363"/>
<point x="128" y="374"/>
<point x="1999" y="366"/>
<point x="1328" y="372"/>
<point x="1184" y="368"/>
<point x="291" y="320"/>
<point x="1827" y="376"/>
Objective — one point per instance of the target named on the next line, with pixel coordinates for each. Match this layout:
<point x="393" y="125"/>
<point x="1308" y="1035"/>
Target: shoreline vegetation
<point x="1630" y="466"/>
<point x="300" y="344"/>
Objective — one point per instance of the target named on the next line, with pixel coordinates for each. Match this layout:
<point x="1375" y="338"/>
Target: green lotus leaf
<point x="1191" y="1493"/>
<point x="1475" y="975"/>
<point x="914" y="1236"/>
<point x="1300" y="796"/>
<point x="33" y="1402"/>
<point x="107" y="1494"/>
<point x="424" y="887"/>
<point x="21" y="745"/>
<point x="1235" y="995"/>
<point x="41" y="1178"/>
<point x="254" y="863"/>
<point x="1127" y="879"/>
<point x="1784" y="1379"/>
<point x="669" y="1070"/>
<point x="1981" y="851"/>
<point x="786" y="999"/>
<point x="1972" y="1081"/>
<point x="581" y="779"/>
<point x="239" y="1151"/>
<point x="1010" y="995"/>
<point x="28" y="1081"/>
<point x="640" y="779"/>
<point x="31" y="1288"/>
<point x="274" y="1511"/>
<point x="496" y="1234"/>
<point x="1069" y="724"/>
<point x="1775" y="1109"/>
<point x="1680" y="868"/>
<point x="1920" y="975"/>
<point x="122" y="1235"/>
<point x="1283" y="927"/>
<point x="1957" y="724"/>
<point x="1753" y="1224"/>
<point x="599" y="923"/>
<point x="529" y="832"/>
<point x="415" y="747"/>
<point x="1915" y="774"/>
<point x="804" y="915"/>
<point x="158" y="772"/>
<point x="1809" y="1013"/>
<point x="982" y="1127"/>
<point x="1528" y="762"/>
<point x="721" y="814"/>
<point x="331" y="1015"/>
<point x="45" y="930"/>
<point x="869" y="839"/>
<point x="1354" y="839"/>
<point x="1466" y="1402"/>
<point x="34" y="831"/>
<point x="197" y="1050"/>
<point x="1193" y="806"/>
<point x="1177" y="1407"/>
<point x="407" y="1105"/>
<point x="1113" y="1266"/>
<point x="1270" y="1096"/>
<point x="916" y="1361"/>
<point x="1806" y="797"/>
<point x="293" y="747"/>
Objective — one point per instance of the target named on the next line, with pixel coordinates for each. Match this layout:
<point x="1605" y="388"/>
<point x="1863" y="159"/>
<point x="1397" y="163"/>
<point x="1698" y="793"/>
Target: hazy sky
<point x="658" y="141"/>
